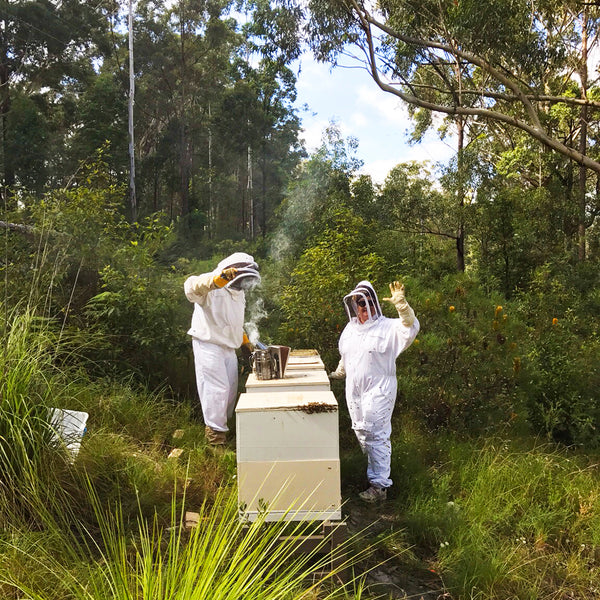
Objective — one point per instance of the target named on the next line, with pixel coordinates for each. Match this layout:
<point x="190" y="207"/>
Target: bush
<point x="311" y="301"/>
<point x="462" y="371"/>
<point x="561" y="376"/>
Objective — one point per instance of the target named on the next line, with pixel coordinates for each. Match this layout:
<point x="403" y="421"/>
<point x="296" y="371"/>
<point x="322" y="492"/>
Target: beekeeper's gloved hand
<point x="398" y="299"/>
<point x="225" y="277"/>
<point x="247" y="348"/>
<point x="247" y="344"/>
<point x="340" y="371"/>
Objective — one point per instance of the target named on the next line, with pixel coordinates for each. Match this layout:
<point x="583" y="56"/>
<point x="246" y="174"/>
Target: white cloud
<point x="312" y="133"/>
<point x="378" y="169"/>
<point x="388" y="107"/>
<point x="378" y="120"/>
<point x="358" y="120"/>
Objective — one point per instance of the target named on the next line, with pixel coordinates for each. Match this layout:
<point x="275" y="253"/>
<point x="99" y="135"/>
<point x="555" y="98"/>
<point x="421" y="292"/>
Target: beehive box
<point x="314" y="380"/>
<point x="306" y="362"/>
<point x="288" y="455"/>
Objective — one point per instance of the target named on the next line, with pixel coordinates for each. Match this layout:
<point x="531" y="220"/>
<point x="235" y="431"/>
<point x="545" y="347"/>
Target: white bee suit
<point x="369" y="351"/>
<point x="217" y="330"/>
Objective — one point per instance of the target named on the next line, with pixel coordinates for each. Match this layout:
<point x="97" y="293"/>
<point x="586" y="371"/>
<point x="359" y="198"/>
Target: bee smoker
<point x="269" y="362"/>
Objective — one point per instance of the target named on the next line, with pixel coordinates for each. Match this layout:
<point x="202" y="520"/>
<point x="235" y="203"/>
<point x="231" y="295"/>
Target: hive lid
<point x="297" y="362"/>
<point x="304" y="352"/>
<point x="310" y="402"/>
<point x="297" y="378"/>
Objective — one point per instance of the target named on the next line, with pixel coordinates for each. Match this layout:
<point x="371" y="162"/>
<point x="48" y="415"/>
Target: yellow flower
<point x="554" y="321"/>
<point x="497" y="311"/>
<point x="516" y="364"/>
<point x="416" y="342"/>
<point x="451" y="309"/>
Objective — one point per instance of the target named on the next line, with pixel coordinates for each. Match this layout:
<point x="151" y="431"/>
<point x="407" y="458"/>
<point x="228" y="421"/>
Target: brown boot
<point x="215" y="438"/>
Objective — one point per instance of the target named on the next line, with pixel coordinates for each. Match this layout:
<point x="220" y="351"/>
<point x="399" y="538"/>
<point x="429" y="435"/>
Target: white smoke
<point x="255" y="313"/>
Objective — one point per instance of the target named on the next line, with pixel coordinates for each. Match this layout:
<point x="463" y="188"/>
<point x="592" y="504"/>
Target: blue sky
<point x="378" y="120"/>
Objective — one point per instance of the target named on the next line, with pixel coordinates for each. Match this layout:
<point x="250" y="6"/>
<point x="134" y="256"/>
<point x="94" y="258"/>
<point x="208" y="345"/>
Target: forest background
<point x="496" y="428"/>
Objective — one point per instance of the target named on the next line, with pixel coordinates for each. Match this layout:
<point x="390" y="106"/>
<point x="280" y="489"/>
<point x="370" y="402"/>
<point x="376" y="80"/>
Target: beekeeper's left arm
<point x="340" y="371"/>
<point x="197" y="287"/>
<point x="398" y="299"/>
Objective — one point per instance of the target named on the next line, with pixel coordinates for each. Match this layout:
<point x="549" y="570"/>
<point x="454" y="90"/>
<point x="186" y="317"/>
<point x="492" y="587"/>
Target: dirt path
<point x="394" y="579"/>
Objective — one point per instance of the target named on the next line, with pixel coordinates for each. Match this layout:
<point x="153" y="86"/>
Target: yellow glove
<point x="398" y="299"/>
<point x="247" y="344"/>
<point x="225" y="277"/>
<point x="247" y="348"/>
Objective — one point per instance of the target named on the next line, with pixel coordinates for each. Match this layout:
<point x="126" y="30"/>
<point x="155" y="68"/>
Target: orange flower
<point x="554" y="321"/>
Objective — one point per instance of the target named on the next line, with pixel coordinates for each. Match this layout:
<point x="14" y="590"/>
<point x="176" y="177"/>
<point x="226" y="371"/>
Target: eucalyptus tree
<point x="492" y="65"/>
<point x="183" y="53"/>
<point x="47" y="49"/>
<point x="216" y="129"/>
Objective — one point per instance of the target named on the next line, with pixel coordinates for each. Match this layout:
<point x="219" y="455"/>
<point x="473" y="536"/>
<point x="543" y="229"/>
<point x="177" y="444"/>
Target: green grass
<point x="221" y="558"/>
<point x="492" y="518"/>
<point x="503" y="519"/>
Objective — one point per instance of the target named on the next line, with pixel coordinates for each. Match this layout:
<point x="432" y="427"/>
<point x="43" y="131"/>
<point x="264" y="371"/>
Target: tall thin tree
<point x="131" y="100"/>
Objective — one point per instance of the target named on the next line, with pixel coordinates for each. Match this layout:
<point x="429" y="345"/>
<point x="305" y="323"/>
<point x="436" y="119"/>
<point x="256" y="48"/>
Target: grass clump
<point x="220" y="558"/>
<point x="503" y="519"/>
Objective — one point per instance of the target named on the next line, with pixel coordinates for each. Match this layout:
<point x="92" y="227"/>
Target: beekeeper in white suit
<point x="217" y="331"/>
<point x="369" y="346"/>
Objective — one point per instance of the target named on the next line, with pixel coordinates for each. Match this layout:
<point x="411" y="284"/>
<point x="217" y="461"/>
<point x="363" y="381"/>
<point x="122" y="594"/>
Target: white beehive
<point x="314" y="380"/>
<point x="304" y="363"/>
<point x="288" y="455"/>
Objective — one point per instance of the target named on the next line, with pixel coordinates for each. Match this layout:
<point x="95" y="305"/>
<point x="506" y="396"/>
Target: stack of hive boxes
<point x="288" y="444"/>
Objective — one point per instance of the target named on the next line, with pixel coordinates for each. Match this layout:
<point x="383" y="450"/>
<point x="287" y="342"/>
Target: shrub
<point x="561" y="375"/>
<point x="461" y="372"/>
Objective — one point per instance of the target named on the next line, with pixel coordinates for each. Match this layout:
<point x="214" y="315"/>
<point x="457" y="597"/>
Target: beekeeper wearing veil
<point x="369" y="346"/>
<point x="217" y="330"/>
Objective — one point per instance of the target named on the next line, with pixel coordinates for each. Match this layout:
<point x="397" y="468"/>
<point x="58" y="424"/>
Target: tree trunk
<point x="264" y="191"/>
<point x="183" y="141"/>
<point x="250" y="188"/>
<point x="212" y="212"/>
<point x="583" y="130"/>
<point x="460" y="233"/>
<point x="9" y="172"/>
<point x="130" y="102"/>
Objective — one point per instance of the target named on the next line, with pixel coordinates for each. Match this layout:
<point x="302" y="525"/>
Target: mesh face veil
<point x="246" y="280"/>
<point x="247" y="277"/>
<point x="362" y="296"/>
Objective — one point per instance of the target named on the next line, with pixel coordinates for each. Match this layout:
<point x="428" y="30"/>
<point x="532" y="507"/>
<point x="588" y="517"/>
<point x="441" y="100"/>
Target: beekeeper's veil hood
<point x="362" y="293"/>
<point x="247" y="276"/>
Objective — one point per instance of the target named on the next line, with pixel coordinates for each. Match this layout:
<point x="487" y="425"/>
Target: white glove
<point x="398" y="299"/>
<point x="340" y="372"/>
